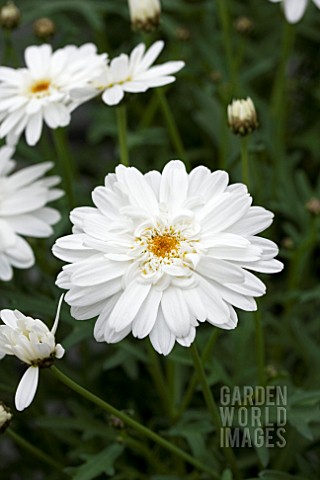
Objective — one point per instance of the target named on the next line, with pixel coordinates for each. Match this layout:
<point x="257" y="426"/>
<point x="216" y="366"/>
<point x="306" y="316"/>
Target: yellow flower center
<point x="40" y="86"/>
<point x="163" y="245"/>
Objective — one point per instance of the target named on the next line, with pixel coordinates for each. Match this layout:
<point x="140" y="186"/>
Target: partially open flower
<point x="5" y="417"/>
<point x="242" y="117"/>
<point x="9" y="16"/>
<point x="33" y="343"/>
<point x="145" y="14"/>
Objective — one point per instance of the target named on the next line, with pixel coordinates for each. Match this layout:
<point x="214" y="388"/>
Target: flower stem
<point x="245" y="160"/>
<point x="36" y="452"/>
<point x="172" y="128"/>
<point x="122" y="134"/>
<point x="260" y="348"/>
<point x="194" y="379"/>
<point x="66" y="163"/>
<point x="212" y="407"/>
<point x="138" y="427"/>
<point x="225" y="22"/>
<point x="279" y="97"/>
<point x="159" y="380"/>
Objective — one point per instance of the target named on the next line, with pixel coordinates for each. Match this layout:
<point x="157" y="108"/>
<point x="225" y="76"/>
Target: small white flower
<point x="40" y="92"/>
<point x="242" y="117"/>
<point x="5" y="417"/>
<point x="294" y="9"/>
<point x="23" y="211"/>
<point x="33" y="343"/>
<point x="132" y="74"/>
<point x="145" y="14"/>
<point x="160" y="253"/>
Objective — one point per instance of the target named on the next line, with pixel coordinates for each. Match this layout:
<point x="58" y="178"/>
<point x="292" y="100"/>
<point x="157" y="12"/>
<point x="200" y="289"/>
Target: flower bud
<point x="44" y="28"/>
<point x="242" y="117"/>
<point x="243" y="25"/>
<point x="313" y="206"/>
<point x="5" y="417"/>
<point x="9" y="16"/>
<point x="145" y="14"/>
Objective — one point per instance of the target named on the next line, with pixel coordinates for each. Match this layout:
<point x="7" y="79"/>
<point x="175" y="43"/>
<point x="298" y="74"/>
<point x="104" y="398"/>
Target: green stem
<point x="212" y="407"/>
<point x="172" y="127"/>
<point x="194" y="379"/>
<point x="279" y="97"/>
<point x="36" y="452"/>
<point x="159" y="380"/>
<point x="245" y="160"/>
<point x="260" y="348"/>
<point x="122" y="134"/>
<point x="226" y="36"/>
<point x="67" y="168"/>
<point x="141" y="429"/>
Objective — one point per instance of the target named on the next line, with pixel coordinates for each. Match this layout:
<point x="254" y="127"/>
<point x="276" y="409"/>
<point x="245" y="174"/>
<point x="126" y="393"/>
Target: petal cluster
<point x="40" y="92"/>
<point x="23" y="211"/>
<point x="295" y="9"/>
<point x="130" y="74"/>
<point x="33" y="343"/>
<point x="160" y="253"/>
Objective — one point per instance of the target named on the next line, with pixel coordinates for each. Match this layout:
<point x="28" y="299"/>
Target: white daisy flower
<point x="132" y="74"/>
<point x="294" y="9"/>
<point x="160" y="253"/>
<point x="33" y="343"/>
<point x="5" y="417"/>
<point x="40" y="92"/>
<point x="23" y="211"/>
<point x="145" y="14"/>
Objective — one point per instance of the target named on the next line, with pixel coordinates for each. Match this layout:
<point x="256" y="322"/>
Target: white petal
<point x="174" y="184"/>
<point x="161" y="337"/>
<point x="128" y="305"/>
<point x="294" y="9"/>
<point x="34" y="129"/>
<point x="27" y="388"/>
<point x="147" y="315"/>
<point x="113" y="95"/>
<point x="175" y="311"/>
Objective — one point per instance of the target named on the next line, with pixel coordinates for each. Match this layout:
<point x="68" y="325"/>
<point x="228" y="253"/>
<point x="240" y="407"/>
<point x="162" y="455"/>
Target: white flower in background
<point x="294" y="9"/>
<point x="242" y="116"/>
<point x="40" y="92"/>
<point x="33" y="343"/>
<point x="5" y="417"/>
<point x="160" y="253"/>
<point x="145" y="14"/>
<point x="132" y="74"/>
<point x="23" y="211"/>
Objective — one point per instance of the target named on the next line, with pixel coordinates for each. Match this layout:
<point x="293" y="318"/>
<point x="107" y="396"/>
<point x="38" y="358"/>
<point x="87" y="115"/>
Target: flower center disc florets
<point x="161" y="246"/>
<point x="40" y="88"/>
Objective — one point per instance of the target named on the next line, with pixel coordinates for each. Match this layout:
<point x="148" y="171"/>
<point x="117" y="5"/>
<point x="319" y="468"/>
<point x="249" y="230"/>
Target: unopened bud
<point x="242" y="117"/>
<point x="9" y="16"/>
<point x="243" y="25"/>
<point x="287" y="243"/>
<point x="145" y="14"/>
<point x="44" y="28"/>
<point x="5" y="417"/>
<point x="313" y="206"/>
<point x="182" y="33"/>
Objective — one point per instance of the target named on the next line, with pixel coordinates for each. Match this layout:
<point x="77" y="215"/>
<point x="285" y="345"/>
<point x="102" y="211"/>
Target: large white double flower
<point x="33" y="343"/>
<point x="294" y="9"/>
<point x="132" y="74"/>
<point x="160" y="253"/>
<point x="23" y="211"/>
<point x="41" y="91"/>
